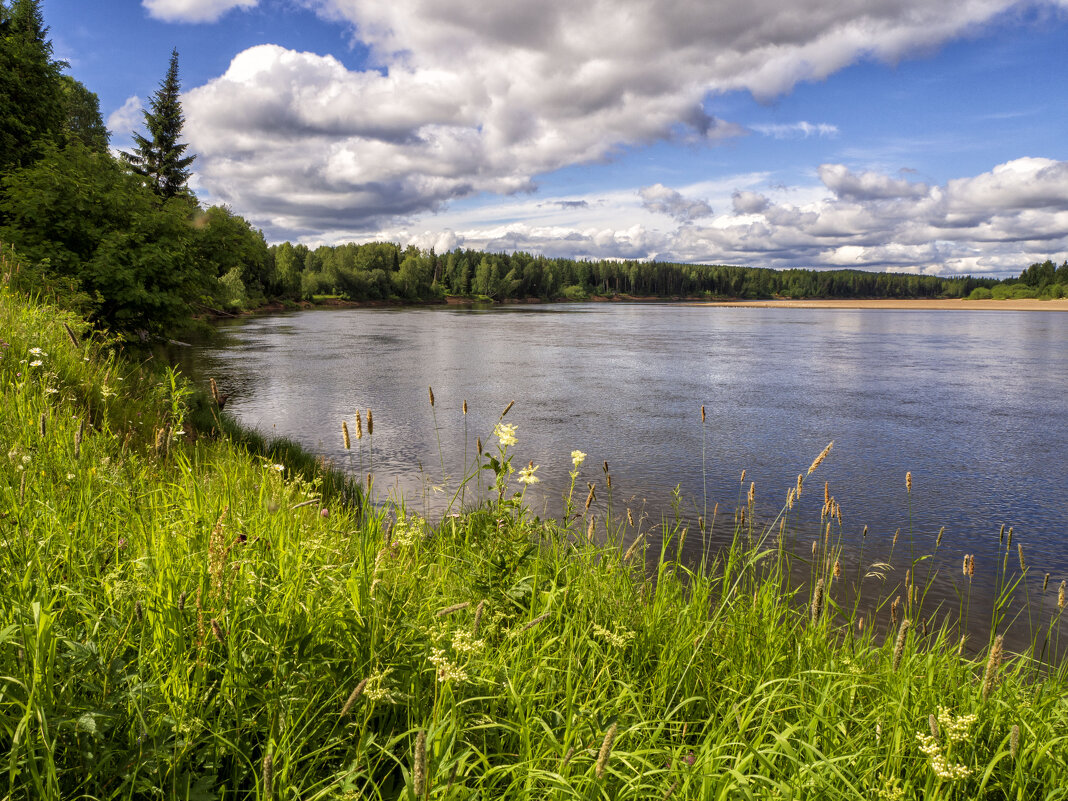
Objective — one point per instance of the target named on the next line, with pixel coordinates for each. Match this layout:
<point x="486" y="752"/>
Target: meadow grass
<point x="186" y="613"/>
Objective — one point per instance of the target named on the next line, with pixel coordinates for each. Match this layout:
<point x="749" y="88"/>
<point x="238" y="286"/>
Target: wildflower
<point x="36" y="363"/>
<point x="278" y="467"/>
<point x="37" y="352"/>
<point x="526" y="475"/>
<point x="577" y="458"/>
<point x="505" y="432"/>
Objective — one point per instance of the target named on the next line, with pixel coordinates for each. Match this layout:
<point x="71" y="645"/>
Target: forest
<point x="122" y="239"/>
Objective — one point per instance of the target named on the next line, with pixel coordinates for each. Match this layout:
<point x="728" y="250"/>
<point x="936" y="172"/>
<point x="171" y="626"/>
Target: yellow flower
<point x="577" y="458"/>
<point x="526" y="475"/>
<point x="505" y="432"/>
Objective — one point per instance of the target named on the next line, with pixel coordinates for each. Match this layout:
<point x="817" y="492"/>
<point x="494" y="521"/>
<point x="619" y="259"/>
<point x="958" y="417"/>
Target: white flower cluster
<point x="38" y="355"/>
<point x="617" y="639"/>
<point x="463" y="642"/>
<point x="505" y="432"/>
<point x="447" y="670"/>
<point x="955" y="730"/>
<point x="526" y="475"/>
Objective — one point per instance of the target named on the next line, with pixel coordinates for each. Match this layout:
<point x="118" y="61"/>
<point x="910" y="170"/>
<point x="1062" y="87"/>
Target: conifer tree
<point x="31" y="102"/>
<point x="159" y="156"/>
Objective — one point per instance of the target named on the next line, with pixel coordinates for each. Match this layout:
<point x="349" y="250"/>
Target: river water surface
<point x="974" y="404"/>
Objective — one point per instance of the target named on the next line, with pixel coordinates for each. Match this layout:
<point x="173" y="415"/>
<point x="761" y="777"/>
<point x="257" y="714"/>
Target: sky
<point x="902" y="135"/>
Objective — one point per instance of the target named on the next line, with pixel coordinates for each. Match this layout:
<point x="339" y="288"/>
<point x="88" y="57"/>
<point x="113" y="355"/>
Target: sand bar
<point x="1060" y="304"/>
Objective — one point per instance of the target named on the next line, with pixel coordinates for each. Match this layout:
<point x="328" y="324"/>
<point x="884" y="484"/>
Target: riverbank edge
<point x="897" y="304"/>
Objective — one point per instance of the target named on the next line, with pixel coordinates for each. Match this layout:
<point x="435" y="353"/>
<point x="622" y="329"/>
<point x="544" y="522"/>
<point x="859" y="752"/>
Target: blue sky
<point x="901" y="135"/>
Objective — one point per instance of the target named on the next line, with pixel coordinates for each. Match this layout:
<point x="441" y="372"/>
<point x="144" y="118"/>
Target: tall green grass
<point x="186" y="614"/>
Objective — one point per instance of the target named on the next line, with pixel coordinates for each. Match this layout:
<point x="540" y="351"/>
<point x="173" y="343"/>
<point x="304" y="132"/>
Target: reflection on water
<point x="972" y="403"/>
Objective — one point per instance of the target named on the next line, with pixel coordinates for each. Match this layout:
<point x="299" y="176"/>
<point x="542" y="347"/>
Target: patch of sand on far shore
<point x="1060" y="304"/>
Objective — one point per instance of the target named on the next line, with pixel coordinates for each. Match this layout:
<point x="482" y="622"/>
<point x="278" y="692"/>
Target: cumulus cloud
<point x="193" y="10"/>
<point x="470" y="97"/>
<point x="123" y="120"/>
<point x="661" y="199"/>
<point x="797" y="130"/>
<point x="993" y="223"/>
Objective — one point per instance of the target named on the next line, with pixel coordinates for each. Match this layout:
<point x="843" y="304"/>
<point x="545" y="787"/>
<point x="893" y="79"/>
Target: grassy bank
<point x="185" y="613"/>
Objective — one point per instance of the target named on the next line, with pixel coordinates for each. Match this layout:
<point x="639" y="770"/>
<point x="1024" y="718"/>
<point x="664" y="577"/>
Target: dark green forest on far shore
<point x="122" y="239"/>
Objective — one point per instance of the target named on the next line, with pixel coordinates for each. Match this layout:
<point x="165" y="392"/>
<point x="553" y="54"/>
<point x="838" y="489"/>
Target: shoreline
<point x="913" y="304"/>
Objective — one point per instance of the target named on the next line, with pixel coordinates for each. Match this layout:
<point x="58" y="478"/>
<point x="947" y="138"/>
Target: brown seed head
<point x="993" y="664"/>
<point x="899" y="646"/>
<point x="702" y="414"/>
<point x="896" y="535"/>
<point x="938" y="539"/>
<point x="345" y="434"/>
<point x="752" y="494"/>
<point x="932" y="723"/>
<point x="590" y="528"/>
<point x="823" y="455"/>
<point x="478" y="618"/>
<point x="353" y="696"/>
<point x="1019" y="553"/>
<point x="370" y="424"/>
<point x="1008" y="541"/>
<point x="908" y="482"/>
<point x="508" y="408"/>
<point x="817" y="602"/>
<point x="1045" y="582"/>
<point x="1061" y="593"/>
<point x="1014" y="741"/>
<point x="971" y="566"/>
<point x="419" y="765"/>
<point x="359" y="425"/>
<point x="826" y="493"/>
<point x="591" y="497"/>
<point x="742" y="479"/>
<point x="465" y="405"/>
<point x="478" y="444"/>
<point x="1001" y="535"/>
<point x="605" y="752"/>
<point x="800" y="480"/>
<point x="216" y="629"/>
<point x="431" y="391"/>
<point x="268" y="776"/>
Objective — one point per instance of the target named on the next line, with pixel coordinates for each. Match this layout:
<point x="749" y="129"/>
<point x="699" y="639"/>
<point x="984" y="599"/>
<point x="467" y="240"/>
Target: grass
<point x="186" y="613"/>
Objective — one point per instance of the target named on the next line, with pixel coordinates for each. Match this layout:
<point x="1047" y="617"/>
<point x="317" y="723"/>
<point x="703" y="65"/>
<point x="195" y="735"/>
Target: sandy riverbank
<point x="1060" y="304"/>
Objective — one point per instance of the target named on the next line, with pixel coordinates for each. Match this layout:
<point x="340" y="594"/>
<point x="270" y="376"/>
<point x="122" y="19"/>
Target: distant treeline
<point x="385" y="271"/>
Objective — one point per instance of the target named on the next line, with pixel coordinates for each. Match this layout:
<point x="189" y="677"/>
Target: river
<point x="972" y="403"/>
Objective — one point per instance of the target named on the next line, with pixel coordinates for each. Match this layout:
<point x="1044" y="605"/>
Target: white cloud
<point x="473" y="97"/>
<point x="797" y="130"/>
<point x="123" y="120"/>
<point x="193" y="10"/>
<point x="997" y="222"/>
<point x="660" y="199"/>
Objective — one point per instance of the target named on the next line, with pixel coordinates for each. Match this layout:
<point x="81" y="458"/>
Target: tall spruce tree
<point x="32" y="110"/>
<point x="159" y="156"/>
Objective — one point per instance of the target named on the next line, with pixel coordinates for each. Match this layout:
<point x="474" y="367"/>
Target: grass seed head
<point x="938" y="539"/>
<point x="268" y="776"/>
<point x="819" y="459"/>
<point x="971" y="566"/>
<point x="993" y="665"/>
<point x="508" y="408"/>
<point x="1045" y="582"/>
<point x="431" y="391"/>
<point x="606" y="751"/>
<point x="345" y="435"/>
<point x="353" y="697"/>
<point x="1014" y="741"/>
<point x="908" y="482"/>
<point x="899" y="646"/>
<point x="1019" y="553"/>
<point x="702" y="413"/>
<point x="817" y="602"/>
<point x="465" y="406"/>
<point x="932" y="722"/>
<point x="1061" y="593"/>
<point x="478" y="618"/>
<point x="216" y="629"/>
<point x="1008" y="540"/>
<point x="742" y="479"/>
<point x="359" y="425"/>
<point x="419" y="765"/>
<point x="370" y="424"/>
<point x="751" y="499"/>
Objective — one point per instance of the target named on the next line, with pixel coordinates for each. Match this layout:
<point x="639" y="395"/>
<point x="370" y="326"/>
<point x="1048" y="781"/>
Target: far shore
<point x="944" y="304"/>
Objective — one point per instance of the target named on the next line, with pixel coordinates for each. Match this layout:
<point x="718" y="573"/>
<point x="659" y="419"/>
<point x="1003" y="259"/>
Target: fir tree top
<point x="159" y="156"/>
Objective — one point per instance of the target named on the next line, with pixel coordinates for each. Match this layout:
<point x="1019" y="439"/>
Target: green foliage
<point x="32" y="104"/>
<point x="99" y="230"/>
<point x="82" y="115"/>
<point x="159" y="156"/>
<point x="980" y="293"/>
<point x="227" y="249"/>
<point x="183" y="618"/>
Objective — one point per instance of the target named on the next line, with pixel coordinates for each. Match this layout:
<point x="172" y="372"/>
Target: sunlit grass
<point x="186" y="613"/>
